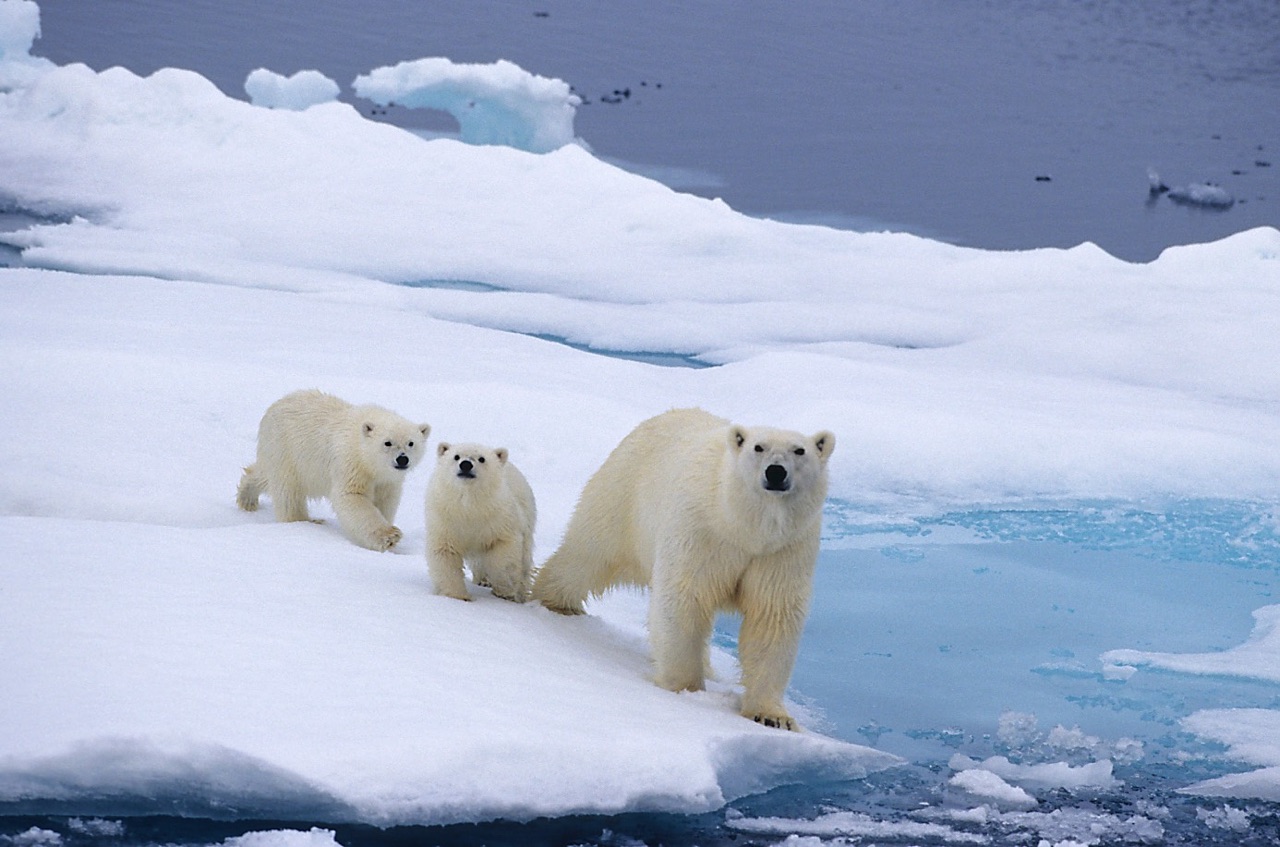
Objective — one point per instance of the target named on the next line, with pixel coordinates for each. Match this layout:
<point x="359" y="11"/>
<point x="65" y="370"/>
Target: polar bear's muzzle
<point x="402" y="462"/>
<point x="466" y="470"/>
<point x="777" y="478"/>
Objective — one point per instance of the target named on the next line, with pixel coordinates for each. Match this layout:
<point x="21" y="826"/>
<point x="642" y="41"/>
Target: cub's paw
<point x="386" y="538"/>
<point x="780" y="720"/>
<point x="567" y="611"/>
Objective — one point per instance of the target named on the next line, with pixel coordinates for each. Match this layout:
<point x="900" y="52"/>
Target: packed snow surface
<point x="186" y="259"/>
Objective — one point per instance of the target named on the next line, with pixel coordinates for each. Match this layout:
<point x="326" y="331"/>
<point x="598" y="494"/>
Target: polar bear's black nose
<point x="402" y="461"/>
<point x="775" y="478"/>
<point x="465" y="468"/>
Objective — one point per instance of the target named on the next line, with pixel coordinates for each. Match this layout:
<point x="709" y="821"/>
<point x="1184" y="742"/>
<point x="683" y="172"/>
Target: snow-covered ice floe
<point x="189" y="257"/>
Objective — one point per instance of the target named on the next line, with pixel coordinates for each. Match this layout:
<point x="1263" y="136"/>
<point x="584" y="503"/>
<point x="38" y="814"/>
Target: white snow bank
<point x="951" y="375"/>
<point x="276" y="670"/>
<point x="1251" y="736"/>
<point x="498" y="103"/>
<point x="1257" y="658"/>
<point x="301" y="91"/>
<point x="179" y="654"/>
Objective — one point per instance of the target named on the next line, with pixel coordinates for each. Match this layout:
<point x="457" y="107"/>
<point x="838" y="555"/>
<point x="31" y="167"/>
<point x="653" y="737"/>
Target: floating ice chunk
<point x="1228" y="817"/>
<point x="1203" y="194"/>
<point x="1048" y="775"/>
<point x="19" y="29"/>
<point x="985" y="785"/>
<point x="1072" y="739"/>
<point x="500" y="103"/>
<point x="97" y="827"/>
<point x="1257" y="658"/>
<point x="1017" y="729"/>
<point x="851" y="825"/>
<point x="316" y="837"/>
<point x="35" y="836"/>
<point x="300" y="91"/>
<point x="1252" y="736"/>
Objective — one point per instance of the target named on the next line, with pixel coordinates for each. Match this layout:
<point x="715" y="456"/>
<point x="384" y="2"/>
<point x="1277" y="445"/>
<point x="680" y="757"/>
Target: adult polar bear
<point x="710" y="516"/>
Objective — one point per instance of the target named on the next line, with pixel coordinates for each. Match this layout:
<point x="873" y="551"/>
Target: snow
<point x="301" y="91"/>
<point x="498" y="103"/>
<point x="188" y="258"/>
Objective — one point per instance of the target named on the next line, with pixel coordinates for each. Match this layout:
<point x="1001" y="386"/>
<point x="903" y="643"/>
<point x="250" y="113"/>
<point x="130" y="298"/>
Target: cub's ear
<point x="368" y="429"/>
<point x="442" y="448"/>
<point x="501" y="453"/>
<point x="826" y="444"/>
<point x="737" y="437"/>
<point x="425" y="429"/>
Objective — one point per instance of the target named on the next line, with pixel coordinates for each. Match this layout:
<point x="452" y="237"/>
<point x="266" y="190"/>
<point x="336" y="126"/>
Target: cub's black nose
<point x="775" y="478"/>
<point x="402" y="461"/>
<point x="465" y="467"/>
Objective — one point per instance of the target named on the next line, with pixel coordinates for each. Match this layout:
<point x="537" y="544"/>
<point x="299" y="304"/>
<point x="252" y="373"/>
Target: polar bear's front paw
<point x="386" y="538"/>
<point x="780" y="720"/>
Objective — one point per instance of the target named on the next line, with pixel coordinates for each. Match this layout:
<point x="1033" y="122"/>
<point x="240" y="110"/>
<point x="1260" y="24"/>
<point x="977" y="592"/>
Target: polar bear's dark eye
<point x="799" y="450"/>
<point x="386" y="444"/>
<point x="482" y="460"/>
<point x="759" y="449"/>
<point x="456" y="458"/>
<point x="410" y="443"/>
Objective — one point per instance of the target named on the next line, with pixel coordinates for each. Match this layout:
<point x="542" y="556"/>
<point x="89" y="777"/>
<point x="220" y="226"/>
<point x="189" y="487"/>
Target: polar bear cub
<point x="479" y="508"/>
<point x="710" y="516"/>
<point x="313" y="445"/>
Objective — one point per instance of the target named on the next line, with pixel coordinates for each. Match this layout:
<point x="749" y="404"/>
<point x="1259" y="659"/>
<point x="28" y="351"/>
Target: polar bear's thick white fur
<point x="313" y="445"/>
<point x="479" y="509"/>
<point x="710" y="516"/>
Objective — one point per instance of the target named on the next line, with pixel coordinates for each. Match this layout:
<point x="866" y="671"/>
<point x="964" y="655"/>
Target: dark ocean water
<point x="1006" y="124"/>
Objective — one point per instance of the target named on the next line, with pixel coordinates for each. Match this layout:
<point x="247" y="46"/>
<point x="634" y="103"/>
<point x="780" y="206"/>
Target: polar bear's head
<point x="391" y="443"/>
<point x="780" y="462"/>
<point x="474" y="465"/>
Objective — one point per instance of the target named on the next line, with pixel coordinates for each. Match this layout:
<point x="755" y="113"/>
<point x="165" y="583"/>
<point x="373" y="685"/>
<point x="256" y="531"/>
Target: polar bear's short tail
<point x="251" y="485"/>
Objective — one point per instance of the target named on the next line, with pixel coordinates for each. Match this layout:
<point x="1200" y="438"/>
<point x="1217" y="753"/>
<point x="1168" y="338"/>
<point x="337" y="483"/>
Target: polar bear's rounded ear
<point x="501" y="453"/>
<point x="826" y="443"/>
<point x="442" y="448"/>
<point x="368" y="428"/>
<point x="425" y="429"/>
<point x="737" y="437"/>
